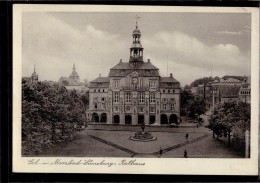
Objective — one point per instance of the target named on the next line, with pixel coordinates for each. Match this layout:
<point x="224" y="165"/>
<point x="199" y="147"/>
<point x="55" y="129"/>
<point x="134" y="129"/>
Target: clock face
<point x="135" y="80"/>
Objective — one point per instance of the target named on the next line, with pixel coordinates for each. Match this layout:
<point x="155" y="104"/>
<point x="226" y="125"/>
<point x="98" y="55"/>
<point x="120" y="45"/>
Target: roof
<point x="101" y="80"/>
<point x="230" y="92"/>
<point x="122" y="65"/>
<point x="230" y="80"/>
<point x="124" y="68"/>
<point x="148" y="65"/>
<point x="168" y="80"/>
<point x="127" y="65"/>
<point x="67" y="81"/>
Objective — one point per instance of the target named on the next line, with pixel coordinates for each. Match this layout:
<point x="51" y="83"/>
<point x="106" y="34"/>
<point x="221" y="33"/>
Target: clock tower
<point x="136" y="50"/>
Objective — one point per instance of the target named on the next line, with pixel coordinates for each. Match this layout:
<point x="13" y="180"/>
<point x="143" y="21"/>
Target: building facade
<point x="224" y="90"/>
<point x="134" y="92"/>
<point x="245" y="90"/>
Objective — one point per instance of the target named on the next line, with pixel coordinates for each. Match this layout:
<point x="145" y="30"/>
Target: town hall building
<point x="134" y="92"/>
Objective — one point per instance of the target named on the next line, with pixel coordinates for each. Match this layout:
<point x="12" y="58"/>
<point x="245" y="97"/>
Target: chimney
<point x="171" y="75"/>
<point x="148" y="60"/>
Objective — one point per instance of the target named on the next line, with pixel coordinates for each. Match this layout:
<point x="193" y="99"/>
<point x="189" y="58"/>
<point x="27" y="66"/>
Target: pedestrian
<point x="185" y="154"/>
<point x="161" y="151"/>
<point x="187" y="136"/>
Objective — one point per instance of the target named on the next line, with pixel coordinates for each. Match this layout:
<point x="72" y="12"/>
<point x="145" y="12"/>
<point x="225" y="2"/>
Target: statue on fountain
<point x="142" y="135"/>
<point x="143" y="127"/>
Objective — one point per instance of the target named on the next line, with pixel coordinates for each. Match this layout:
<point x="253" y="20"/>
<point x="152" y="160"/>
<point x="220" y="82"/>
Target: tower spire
<point x="34" y="68"/>
<point x="136" y="19"/>
<point x="74" y="68"/>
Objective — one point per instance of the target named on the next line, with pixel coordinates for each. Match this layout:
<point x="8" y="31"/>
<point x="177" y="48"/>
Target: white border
<point x="212" y="166"/>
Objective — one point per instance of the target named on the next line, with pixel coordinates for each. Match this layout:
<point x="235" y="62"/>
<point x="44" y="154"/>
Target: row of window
<point x="141" y="109"/>
<point x="166" y="107"/>
<point x="152" y="83"/>
<point x="168" y="91"/>
<point x="99" y="90"/>
<point x="245" y="92"/>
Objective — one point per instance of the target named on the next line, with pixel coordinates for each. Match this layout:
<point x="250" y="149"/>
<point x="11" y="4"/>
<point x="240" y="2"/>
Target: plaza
<point x="103" y="141"/>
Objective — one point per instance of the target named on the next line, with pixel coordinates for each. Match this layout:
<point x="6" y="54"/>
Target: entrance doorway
<point x="95" y="117"/>
<point x="152" y="119"/>
<point x="103" y="118"/>
<point x="173" y="118"/>
<point x="164" y="119"/>
<point x="140" y="119"/>
<point x="128" y="119"/>
<point x="116" y="119"/>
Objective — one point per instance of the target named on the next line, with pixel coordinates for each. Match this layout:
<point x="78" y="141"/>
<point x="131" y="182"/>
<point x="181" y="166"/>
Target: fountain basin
<point x="143" y="137"/>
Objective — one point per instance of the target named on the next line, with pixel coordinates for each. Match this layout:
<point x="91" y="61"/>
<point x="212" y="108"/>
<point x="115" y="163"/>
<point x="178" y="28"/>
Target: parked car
<point x="174" y="125"/>
<point x="155" y="124"/>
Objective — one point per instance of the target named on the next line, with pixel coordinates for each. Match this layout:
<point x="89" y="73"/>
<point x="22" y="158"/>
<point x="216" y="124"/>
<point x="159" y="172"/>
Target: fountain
<point x="142" y="135"/>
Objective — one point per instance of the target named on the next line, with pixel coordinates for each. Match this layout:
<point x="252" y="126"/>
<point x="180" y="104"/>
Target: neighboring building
<point x="245" y="90"/>
<point x="229" y="93"/>
<point x="219" y="91"/>
<point x="72" y="82"/>
<point x="134" y="92"/>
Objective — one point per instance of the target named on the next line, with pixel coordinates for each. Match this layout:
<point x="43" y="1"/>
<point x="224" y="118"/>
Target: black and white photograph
<point x="137" y="85"/>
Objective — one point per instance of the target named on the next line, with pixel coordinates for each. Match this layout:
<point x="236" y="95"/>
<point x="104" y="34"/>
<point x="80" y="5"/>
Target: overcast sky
<point x="191" y="43"/>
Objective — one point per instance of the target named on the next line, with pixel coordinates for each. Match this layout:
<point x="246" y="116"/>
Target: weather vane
<point x="136" y="17"/>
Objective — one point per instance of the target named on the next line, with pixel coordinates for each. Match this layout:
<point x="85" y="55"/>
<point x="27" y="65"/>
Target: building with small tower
<point x="134" y="92"/>
<point x="73" y="81"/>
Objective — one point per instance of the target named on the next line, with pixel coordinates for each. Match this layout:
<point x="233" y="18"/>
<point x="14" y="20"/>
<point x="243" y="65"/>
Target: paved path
<point x="153" y="154"/>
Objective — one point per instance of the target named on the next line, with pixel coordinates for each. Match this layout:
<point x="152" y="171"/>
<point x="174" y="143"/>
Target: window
<point x="169" y="91"/>
<point x="152" y="109"/>
<point x="141" y="109"/>
<point x="128" y="97"/>
<point x="152" y="83"/>
<point x="164" y="107"/>
<point x="163" y="91"/>
<point x="141" y="97"/>
<point x="98" y="90"/>
<point x="103" y="99"/>
<point x="164" y="100"/>
<point x="172" y="107"/>
<point x="94" y="90"/>
<point x="95" y="104"/>
<point x="152" y="97"/>
<point x="103" y="90"/>
<point x="116" y="96"/>
<point x="116" y="83"/>
<point x="173" y="91"/>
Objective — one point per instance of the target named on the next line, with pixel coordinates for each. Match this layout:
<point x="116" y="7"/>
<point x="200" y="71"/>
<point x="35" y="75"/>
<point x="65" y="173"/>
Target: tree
<point x="186" y="100"/>
<point x="201" y="81"/>
<point x="48" y="115"/>
<point x="197" y="107"/>
<point x="232" y="117"/>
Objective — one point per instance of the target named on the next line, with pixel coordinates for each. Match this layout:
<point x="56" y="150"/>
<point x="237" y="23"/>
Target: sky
<point x="188" y="45"/>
